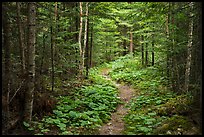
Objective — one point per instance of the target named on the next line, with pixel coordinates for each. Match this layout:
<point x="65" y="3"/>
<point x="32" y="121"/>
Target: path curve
<point x="116" y="125"/>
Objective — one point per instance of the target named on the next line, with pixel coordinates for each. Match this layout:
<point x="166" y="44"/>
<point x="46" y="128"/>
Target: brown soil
<point x="116" y="125"/>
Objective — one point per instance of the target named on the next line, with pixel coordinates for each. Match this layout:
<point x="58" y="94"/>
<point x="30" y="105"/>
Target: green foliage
<point x="154" y="104"/>
<point x="88" y="108"/>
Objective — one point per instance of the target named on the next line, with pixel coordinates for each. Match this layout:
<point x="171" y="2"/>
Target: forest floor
<point x="116" y="125"/>
<point x="142" y="106"/>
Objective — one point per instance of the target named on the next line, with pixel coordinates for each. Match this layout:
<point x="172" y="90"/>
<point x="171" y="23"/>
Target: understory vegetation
<point x="154" y="110"/>
<point x="82" y="113"/>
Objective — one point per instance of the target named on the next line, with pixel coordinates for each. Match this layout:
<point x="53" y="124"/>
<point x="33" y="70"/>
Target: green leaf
<point x="62" y="126"/>
<point x="73" y="114"/>
<point x="58" y="113"/>
<point x="26" y="124"/>
<point x="66" y="133"/>
<point x="152" y="114"/>
<point x="158" y="102"/>
<point x="144" y="129"/>
<point x="31" y="128"/>
<point x="45" y="130"/>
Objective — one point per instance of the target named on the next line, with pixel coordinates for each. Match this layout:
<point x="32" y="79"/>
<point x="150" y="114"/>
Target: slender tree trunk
<point x="190" y="43"/>
<point x="43" y="53"/>
<point x="52" y="57"/>
<point x="173" y="60"/>
<point x="22" y="58"/>
<point x="124" y="48"/>
<point x="31" y="61"/>
<point x="87" y="51"/>
<point x="146" y="54"/>
<point x="82" y="49"/>
<point x="142" y="50"/>
<point x="53" y="35"/>
<point x="21" y="41"/>
<point x="85" y="36"/>
<point x="91" y="48"/>
<point x="7" y="78"/>
<point x="153" y="53"/>
<point x="131" y="43"/>
<point x="168" y="46"/>
<point x="79" y="41"/>
<point x="76" y="35"/>
<point x="56" y="30"/>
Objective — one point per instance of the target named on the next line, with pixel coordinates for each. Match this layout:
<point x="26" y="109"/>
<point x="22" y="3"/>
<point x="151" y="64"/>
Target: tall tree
<point x="21" y="39"/>
<point x="91" y="48"/>
<point x="153" y="51"/>
<point x="168" y="45"/>
<point x="146" y="54"/>
<point x="142" y="49"/>
<point x="82" y="48"/>
<point x="131" y="42"/>
<point x="87" y="50"/>
<point x="85" y="36"/>
<point x="190" y="43"/>
<point x="7" y="50"/>
<point x="79" y="41"/>
<point x="31" y="61"/>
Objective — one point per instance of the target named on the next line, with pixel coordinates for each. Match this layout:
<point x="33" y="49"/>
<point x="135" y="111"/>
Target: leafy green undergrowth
<point x="85" y="111"/>
<point x="155" y="105"/>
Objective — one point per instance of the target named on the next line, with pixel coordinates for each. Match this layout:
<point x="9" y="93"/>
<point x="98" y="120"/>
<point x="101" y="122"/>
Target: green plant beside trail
<point x="83" y="112"/>
<point x="155" y="105"/>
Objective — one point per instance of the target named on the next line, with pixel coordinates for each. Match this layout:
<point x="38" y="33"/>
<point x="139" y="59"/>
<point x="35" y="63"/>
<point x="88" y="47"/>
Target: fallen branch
<point x="16" y="91"/>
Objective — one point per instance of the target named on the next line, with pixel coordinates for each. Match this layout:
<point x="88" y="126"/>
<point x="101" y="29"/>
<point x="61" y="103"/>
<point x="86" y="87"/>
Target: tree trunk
<point x="87" y="51"/>
<point x="82" y="49"/>
<point x="22" y="59"/>
<point x="7" y="44"/>
<point x="168" y="46"/>
<point x="190" y="43"/>
<point x="85" y="37"/>
<point x="91" y="48"/>
<point x="131" y="43"/>
<point x="153" y="53"/>
<point x="124" y="48"/>
<point x="21" y="41"/>
<point x="31" y="61"/>
<point x="173" y="61"/>
<point x="76" y="35"/>
<point x="79" y="41"/>
<point x="146" y="54"/>
<point x="52" y="57"/>
<point x="142" y="50"/>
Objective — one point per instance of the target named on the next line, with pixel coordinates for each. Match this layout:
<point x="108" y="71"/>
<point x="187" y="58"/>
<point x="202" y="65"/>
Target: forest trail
<point x="116" y="125"/>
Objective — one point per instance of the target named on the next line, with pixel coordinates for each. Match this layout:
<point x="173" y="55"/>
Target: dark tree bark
<point x="168" y="46"/>
<point x="153" y="53"/>
<point x="142" y="50"/>
<point x="146" y="54"/>
<point x="131" y="43"/>
<point x="91" y="48"/>
<point x="7" y="78"/>
<point x="87" y="50"/>
<point x="52" y="58"/>
<point x="189" y="46"/>
<point x="43" y="53"/>
<point x="124" y="48"/>
<point x="21" y="40"/>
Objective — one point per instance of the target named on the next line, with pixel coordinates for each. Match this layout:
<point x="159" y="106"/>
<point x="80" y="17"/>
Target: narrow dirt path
<point x="116" y="125"/>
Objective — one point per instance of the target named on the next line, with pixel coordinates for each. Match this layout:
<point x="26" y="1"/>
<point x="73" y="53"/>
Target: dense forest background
<point x="48" y="49"/>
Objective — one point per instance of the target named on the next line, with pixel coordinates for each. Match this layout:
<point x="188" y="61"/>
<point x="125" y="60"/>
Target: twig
<point x="16" y="91"/>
